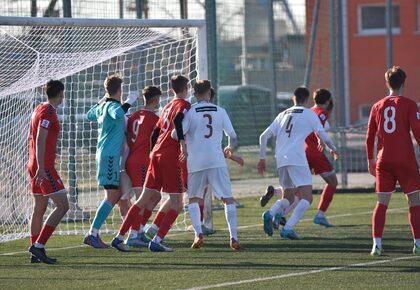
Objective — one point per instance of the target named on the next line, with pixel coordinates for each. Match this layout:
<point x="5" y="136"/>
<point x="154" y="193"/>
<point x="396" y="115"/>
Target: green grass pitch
<point x="334" y="258"/>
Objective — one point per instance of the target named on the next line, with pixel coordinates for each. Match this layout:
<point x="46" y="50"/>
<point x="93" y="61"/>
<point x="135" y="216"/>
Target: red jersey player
<point x="45" y="181"/>
<point x="317" y="161"/>
<point x="140" y="126"/>
<point x="164" y="172"/>
<point x="390" y="121"/>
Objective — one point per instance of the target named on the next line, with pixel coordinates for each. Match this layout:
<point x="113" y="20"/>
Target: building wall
<point x="367" y="56"/>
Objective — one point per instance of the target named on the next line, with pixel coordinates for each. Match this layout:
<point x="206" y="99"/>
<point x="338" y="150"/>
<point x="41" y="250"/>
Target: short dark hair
<point x="202" y="87"/>
<point x="52" y="88"/>
<point x="150" y="92"/>
<point x="395" y="77"/>
<point x="301" y="94"/>
<point x="178" y="83"/>
<point x="112" y="84"/>
<point x="321" y="96"/>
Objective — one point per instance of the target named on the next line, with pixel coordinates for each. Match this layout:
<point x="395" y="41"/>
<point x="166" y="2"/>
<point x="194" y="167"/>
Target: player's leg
<point x="280" y="205"/>
<point x="137" y="234"/>
<point x="61" y="207"/>
<point x="385" y="185"/>
<point x="126" y="193"/>
<point x="414" y="219"/>
<point x="300" y="177"/>
<point x="133" y="215"/>
<point x="219" y="181"/>
<point x="326" y="198"/>
<point x="40" y="204"/>
<point x="158" y="219"/>
<point x="197" y="184"/>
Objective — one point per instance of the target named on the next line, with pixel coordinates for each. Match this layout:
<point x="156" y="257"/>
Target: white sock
<point x="292" y="206"/>
<point x="417" y="242"/>
<point x="141" y="229"/>
<point x="230" y="213"/>
<point x="38" y="245"/>
<point x="194" y="212"/>
<point x="297" y="214"/>
<point x="157" y="239"/>
<point x="377" y="242"/>
<point x="279" y="206"/>
<point x="133" y="234"/>
<point x="94" y="232"/>
<point x="320" y="213"/>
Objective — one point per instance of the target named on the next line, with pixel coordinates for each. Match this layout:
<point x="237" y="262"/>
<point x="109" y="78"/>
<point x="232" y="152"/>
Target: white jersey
<point x="203" y="127"/>
<point x="291" y="127"/>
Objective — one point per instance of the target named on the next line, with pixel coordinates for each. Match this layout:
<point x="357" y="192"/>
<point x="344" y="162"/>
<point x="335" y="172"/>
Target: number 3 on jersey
<point x="389" y="120"/>
<point x="210" y="120"/>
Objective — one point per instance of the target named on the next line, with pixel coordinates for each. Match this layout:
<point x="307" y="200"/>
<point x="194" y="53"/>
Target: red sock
<point x="146" y="216"/>
<point x="45" y="234"/>
<point x="170" y="218"/>
<point x="201" y="212"/>
<point x="160" y="216"/>
<point x="414" y="218"/>
<point x="33" y="238"/>
<point x="131" y="217"/>
<point x="378" y="220"/>
<point x="326" y="197"/>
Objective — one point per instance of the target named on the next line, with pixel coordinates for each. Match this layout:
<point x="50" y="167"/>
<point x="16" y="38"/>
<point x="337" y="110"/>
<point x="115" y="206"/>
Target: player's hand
<point x="321" y="145"/>
<point x="237" y="159"/>
<point x="335" y="154"/>
<point x="40" y="175"/>
<point x="228" y="151"/>
<point x="183" y="155"/>
<point x="261" y="166"/>
<point x="372" y="167"/>
<point x="132" y="97"/>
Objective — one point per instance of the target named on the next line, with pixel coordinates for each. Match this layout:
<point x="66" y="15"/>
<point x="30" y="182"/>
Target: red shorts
<point x="407" y="176"/>
<point x="50" y="185"/>
<point x="318" y="162"/>
<point x="165" y="174"/>
<point x="137" y="171"/>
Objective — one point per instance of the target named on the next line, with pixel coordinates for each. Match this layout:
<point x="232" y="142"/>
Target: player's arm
<point x="179" y="117"/>
<point x="92" y="114"/>
<point x="330" y="144"/>
<point x="264" y="137"/>
<point x="414" y="119"/>
<point x="370" y="142"/>
<point x="154" y="137"/>
<point x="41" y="139"/>
<point x="119" y="112"/>
<point x="230" y="133"/>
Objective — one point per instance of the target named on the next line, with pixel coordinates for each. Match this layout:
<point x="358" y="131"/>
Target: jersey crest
<point x="45" y="123"/>
<point x="418" y="115"/>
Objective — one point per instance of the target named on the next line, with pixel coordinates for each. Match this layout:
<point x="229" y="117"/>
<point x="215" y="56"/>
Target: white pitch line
<point x="301" y="273"/>
<point x="242" y="227"/>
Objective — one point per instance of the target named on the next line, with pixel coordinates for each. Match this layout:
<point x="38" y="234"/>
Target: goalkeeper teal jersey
<point x="110" y="118"/>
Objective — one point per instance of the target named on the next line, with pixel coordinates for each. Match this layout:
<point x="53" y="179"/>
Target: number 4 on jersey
<point x="289" y="125"/>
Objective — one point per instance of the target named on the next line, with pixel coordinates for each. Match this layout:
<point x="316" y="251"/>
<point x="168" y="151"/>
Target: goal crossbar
<point x="90" y="22"/>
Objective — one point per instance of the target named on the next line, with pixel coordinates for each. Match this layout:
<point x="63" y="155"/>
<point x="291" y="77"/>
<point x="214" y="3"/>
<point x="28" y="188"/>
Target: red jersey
<point x="311" y="142"/>
<point x="391" y="119"/>
<point x="165" y="144"/>
<point x="45" y="117"/>
<point x="140" y="126"/>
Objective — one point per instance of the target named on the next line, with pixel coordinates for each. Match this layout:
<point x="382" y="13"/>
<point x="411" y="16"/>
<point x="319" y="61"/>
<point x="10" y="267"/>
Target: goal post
<point x="81" y="53"/>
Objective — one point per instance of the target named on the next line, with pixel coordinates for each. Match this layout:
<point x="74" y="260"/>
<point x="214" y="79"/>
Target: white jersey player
<point x="291" y="127"/>
<point x="203" y="127"/>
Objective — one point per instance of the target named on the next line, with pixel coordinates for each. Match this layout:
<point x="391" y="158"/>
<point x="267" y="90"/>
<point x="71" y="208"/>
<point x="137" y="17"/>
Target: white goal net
<point x="82" y="53"/>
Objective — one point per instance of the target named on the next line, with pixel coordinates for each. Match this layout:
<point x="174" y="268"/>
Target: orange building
<point x="364" y="53"/>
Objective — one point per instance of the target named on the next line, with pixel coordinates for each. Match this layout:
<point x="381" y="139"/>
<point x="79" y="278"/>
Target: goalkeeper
<point x="110" y="115"/>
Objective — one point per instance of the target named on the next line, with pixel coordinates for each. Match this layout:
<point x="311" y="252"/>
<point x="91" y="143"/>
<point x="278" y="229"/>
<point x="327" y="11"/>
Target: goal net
<point x="81" y="53"/>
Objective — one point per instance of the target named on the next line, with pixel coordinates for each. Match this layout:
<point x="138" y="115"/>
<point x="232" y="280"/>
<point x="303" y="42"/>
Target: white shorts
<point x="293" y="176"/>
<point x="217" y="179"/>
